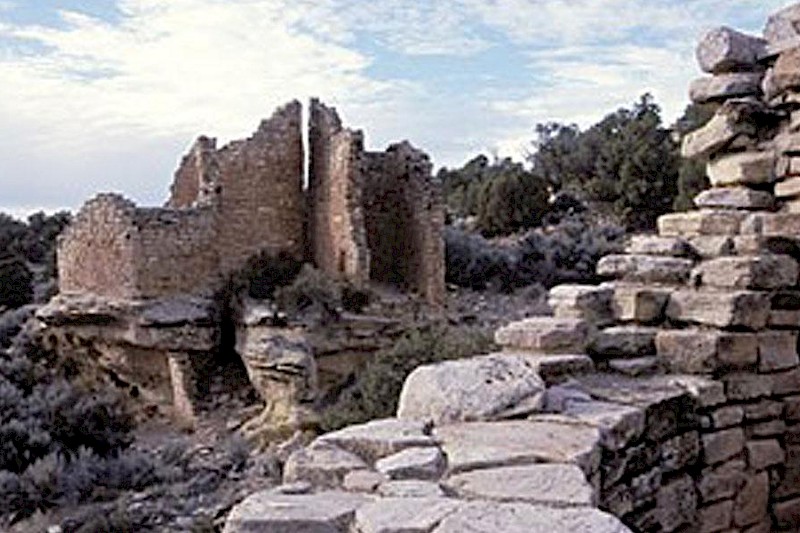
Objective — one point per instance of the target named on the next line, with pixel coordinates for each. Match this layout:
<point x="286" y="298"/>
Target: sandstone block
<point x="750" y="506"/>
<point x="698" y="351"/>
<point x="545" y="334"/>
<point x="656" y="245"/>
<point x="558" y="368"/>
<point x="786" y="383"/>
<point x="645" y="268"/>
<point x="691" y="224"/>
<point x="720" y="309"/>
<point x="362" y="481"/>
<point x="724" y="86"/>
<point x="379" y="438"/>
<point x="638" y="366"/>
<point x="708" y="393"/>
<point x="721" y="482"/>
<point x="481" y="388"/>
<point x="747" y="386"/>
<point x="545" y="484"/>
<point x="619" y="425"/>
<point x="763" y="410"/>
<point x="756" y="272"/>
<point x="772" y="224"/>
<point x="789" y="485"/>
<point x="777" y="351"/>
<point x="397" y="515"/>
<point x="726" y="417"/>
<point x="707" y="246"/>
<point x="723" y="445"/>
<point x="745" y="168"/>
<point x="716" y="517"/>
<point x="587" y="302"/>
<point x="410" y="488"/>
<point x="726" y="50"/>
<point x="638" y="303"/>
<point x="680" y="452"/>
<point x="788" y="188"/>
<point x="781" y="25"/>
<point x="624" y="341"/>
<point x="792" y="409"/>
<point x="735" y="198"/>
<point x="732" y="121"/>
<point x="784" y="74"/>
<point x="787" y="514"/>
<point x="676" y="504"/>
<point x="771" y="428"/>
<point x="413" y="463"/>
<point x="325" y="512"/>
<point x="762" y="454"/>
<point x="322" y="465"/>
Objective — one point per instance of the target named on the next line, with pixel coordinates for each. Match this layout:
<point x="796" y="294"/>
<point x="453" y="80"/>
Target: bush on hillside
<point x="16" y="280"/>
<point x="377" y="389"/>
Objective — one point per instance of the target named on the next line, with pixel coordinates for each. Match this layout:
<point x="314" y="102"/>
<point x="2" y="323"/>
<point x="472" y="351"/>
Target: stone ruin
<point x="666" y="400"/>
<point x="136" y="284"/>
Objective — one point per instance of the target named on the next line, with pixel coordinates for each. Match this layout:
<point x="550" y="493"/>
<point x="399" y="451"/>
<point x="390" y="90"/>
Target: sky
<point x="106" y="95"/>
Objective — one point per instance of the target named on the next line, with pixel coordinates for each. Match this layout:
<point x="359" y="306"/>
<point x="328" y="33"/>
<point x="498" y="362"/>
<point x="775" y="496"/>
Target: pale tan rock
<point x="720" y="223"/>
<point x="545" y="335"/>
<point x="788" y="188"/>
<point x="707" y="246"/>
<point x="587" y="302"/>
<point x="557" y="368"/>
<point x="781" y="26"/>
<point x="745" y="168"/>
<point x="639" y="303"/>
<point x="735" y="198"/>
<point x="410" y="488"/>
<point x="321" y="464"/>
<point x="697" y="351"/>
<point x="720" y="309"/>
<point x="777" y="351"/>
<point x="715" y="517"/>
<point x="379" y="438"/>
<point x="624" y="341"/>
<point x="734" y="120"/>
<point x="756" y="272"/>
<point x="645" y="268"/>
<point x="722" y="481"/>
<point x="751" y="505"/>
<point x="413" y="463"/>
<point x="722" y="445"/>
<point x="636" y="367"/>
<point x="787" y="514"/>
<point x="656" y="245"/>
<point x="728" y="85"/>
<point x="784" y="75"/>
<point x="747" y="386"/>
<point x="725" y="50"/>
<point x="363" y="481"/>
<point x="772" y="224"/>
<point x="762" y="454"/>
<point x="401" y="515"/>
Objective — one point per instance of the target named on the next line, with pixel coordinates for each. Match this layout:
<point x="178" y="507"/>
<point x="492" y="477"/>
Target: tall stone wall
<point x="97" y="252"/>
<point x="176" y="251"/>
<point x="405" y="220"/>
<point x="197" y="176"/>
<point x="336" y="222"/>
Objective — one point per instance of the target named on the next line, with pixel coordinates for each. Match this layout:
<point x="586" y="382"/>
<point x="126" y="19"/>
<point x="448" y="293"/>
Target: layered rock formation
<point x="664" y="400"/>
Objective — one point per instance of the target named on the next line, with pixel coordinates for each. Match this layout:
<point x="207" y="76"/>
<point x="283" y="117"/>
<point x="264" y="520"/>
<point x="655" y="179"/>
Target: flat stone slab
<point x="735" y="198"/>
<point x="624" y="341"/>
<point x="553" y="485"/>
<point x="587" y="302"/>
<point x="746" y="168"/>
<point x="657" y="245"/>
<point x="726" y="50"/>
<point x="724" y="86"/>
<point x="413" y="463"/>
<point x="722" y="309"/>
<point x="404" y="515"/>
<point x="755" y="272"/>
<point x="639" y="303"/>
<point x="491" y="387"/>
<point x="557" y="368"/>
<point x="645" y="268"/>
<point x="380" y="438"/>
<point x="545" y="335"/>
<point x="471" y="446"/>
<point x="325" y="512"/>
<point x="731" y="120"/>
<point x="638" y="366"/>
<point x="322" y="464"/>
<point x="702" y="351"/>
<point x="490" y="517"/>
<point x="410" y="488"/>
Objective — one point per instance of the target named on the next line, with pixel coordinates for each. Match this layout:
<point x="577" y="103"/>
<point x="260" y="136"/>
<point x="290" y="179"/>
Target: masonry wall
<point x="96" y="253"/>
<point x="337" y="239"/>
<point x="176" y="251"/>
<point x="404" y="221"/>
<point x="197" y="176"/>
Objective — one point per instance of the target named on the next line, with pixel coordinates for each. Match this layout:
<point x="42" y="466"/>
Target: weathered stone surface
<point x="708" y="393"/>
<point x="723" y="86"/>
<point x="326" y="512"/>
<point x="772" y="224"/>
<point x="484" y="517"/>
<point x="618" y="424"/>
<point x="777" y="351"/>
<point x="758" y="272"/>
<point x="716" y="517"/>
<point x="322" y="464"/>
<point x="639" y="303"/>
<point x="410" y="488"/>
<point x="788" y="188"/>
<point x="555" y="369"/>
<point x="676" y="504"/>
<point x="476" y="445"/>
<point x="708" y="246"/>
<point x="482" y="388"/>
<point x="546" y="484"/>
<point x="781" y="25"/>
<point x="750" y="506"/>
<point x="735" y="198"/>
<point x="363" y="481"/>
<point x="720" y="222"/>
<point x="680" y="452"/>
<point x="745" y="168"/>
<point x="698" y="351"/>
<point x="784" y="74"/>
<point x="786" y="383"/>
<point x="545" y="334"/>
<point x="764" y="453"/>
<point x="722" y="445"/>
<point x="638" y="366"/>
<point x="726" y="417"/>
<point x="645" y="268"/>
<point x="720" y="309"/>
<point x="380" y="438"/>
<point x="587" y="302"/>
<point x="787" y="514"/>
<point x="721" y="482"/>
<point x="656" y="245"/>
<point x="726" y="50"/>
<point x="733" y="120"/>
<point x="403" y="515"/>
<point x="413" y="463"/>
<point x="747" y="386"/>
<point x="763" y="410"/>
<point x="624" y="341"/>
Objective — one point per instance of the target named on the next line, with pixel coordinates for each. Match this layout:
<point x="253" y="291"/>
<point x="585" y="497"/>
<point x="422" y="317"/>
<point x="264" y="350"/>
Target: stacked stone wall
<point x="336" y="221"/>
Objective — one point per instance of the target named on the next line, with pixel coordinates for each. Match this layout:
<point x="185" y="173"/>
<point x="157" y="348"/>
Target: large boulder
<point x="482" y="388"/>
<point x="725" y="50"/>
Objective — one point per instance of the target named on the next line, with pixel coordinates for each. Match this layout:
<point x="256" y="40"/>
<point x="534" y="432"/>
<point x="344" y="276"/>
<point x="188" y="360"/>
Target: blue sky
<point x="106" y="95"/>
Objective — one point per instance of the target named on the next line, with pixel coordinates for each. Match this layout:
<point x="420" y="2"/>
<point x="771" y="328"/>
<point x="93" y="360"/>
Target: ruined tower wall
<point x="96" y="253"/>
<point x="197" y="176"/>
<point x="337" y="239"/>
<point x="404" y="220"/>
<point x="176" y="251"/>
<point x="260" y="197"/>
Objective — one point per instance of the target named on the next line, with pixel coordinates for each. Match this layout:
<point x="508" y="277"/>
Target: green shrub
<point x="377" y="389"/>
<point x="16" y="280"/>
